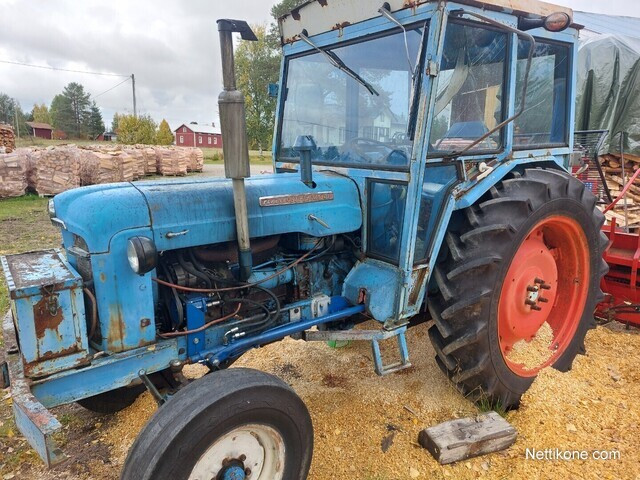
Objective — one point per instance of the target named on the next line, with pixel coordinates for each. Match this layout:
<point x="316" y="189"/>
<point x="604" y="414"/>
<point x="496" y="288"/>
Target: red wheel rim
<point x="547" y="281"/>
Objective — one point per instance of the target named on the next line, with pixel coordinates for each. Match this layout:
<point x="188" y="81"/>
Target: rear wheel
<point x="228" y="425"/>
<point x="519" y="285"/>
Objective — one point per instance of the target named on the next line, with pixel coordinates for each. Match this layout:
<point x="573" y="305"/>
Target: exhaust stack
<point x="234" y="133"/>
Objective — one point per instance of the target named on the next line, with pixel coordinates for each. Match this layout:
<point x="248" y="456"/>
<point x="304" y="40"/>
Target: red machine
<point x="622" y="284"/>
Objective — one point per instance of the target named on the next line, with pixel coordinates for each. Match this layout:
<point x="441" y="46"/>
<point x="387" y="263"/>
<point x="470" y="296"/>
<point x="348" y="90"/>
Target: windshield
<point x="350" y="123"/>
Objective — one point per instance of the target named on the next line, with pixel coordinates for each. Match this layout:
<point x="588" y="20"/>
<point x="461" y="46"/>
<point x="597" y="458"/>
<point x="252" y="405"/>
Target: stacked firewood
<point x="13" y="178"/>
<point x="51" y="170"/>
<point x="612" y="164"/>
<point x="108" y="166"/>
<point x="55" y="169"/>
<point x="171" y="161"/>
<point x="7" y="138"/>
<point x="196" y="160"/>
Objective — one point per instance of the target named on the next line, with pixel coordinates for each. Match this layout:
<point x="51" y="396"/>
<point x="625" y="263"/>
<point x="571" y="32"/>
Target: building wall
<point x="185" y="137"/>
<point x="42" y="133"/>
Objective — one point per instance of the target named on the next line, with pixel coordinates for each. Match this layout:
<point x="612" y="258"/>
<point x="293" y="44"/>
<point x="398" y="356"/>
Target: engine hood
<point x="189" y="212"/>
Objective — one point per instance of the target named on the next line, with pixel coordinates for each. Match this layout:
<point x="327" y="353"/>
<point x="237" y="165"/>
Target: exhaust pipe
<point x="235" y="148"/>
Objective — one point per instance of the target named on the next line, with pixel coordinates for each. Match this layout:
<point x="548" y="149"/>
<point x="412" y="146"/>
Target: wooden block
<point x="462" y="438"/>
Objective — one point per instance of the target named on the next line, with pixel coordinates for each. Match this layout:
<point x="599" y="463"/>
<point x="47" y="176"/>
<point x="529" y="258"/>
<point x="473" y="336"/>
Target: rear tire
<point x="222" y="424"/>
<point x="539" y="223"/>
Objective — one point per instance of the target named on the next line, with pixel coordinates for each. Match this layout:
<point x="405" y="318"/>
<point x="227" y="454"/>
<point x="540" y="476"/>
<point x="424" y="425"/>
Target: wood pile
<point x="107" y="166"/>
<point x="196" y="160"/>
<point x="171" y="161"/>
<point x="51" y="170"/>
<point x="612" y="167"/>
<point x="7" y="138"/>
<point x="55" y="169"/>
<point x="13" y="178"/>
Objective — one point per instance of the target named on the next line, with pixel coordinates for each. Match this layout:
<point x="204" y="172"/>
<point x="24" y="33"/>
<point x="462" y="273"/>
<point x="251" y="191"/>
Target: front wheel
<point x="519" y="286"/>
<point x="232" y="424"/>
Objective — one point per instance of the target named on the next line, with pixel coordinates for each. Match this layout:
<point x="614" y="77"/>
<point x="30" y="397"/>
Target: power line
<point x="63" y="69"/>
<point x="108" y="90"/>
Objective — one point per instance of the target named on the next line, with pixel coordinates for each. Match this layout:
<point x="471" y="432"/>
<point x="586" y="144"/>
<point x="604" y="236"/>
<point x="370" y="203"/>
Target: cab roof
<point x="318" y="16"/>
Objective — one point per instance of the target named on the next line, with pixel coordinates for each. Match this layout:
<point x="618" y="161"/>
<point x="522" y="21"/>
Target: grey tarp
<point x="608" y="91"/>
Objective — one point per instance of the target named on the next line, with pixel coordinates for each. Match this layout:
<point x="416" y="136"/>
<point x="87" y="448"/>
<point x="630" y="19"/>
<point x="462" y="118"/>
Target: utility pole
<point x="133" y="84"/>
<point x="15" y="114"/>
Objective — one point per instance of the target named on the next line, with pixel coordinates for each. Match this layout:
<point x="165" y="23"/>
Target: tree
<point x="164" y="135"/>
<point x="71" y="110"/>
<point x="115" y="122"/>
<point x="257" y="65"/>
<point x="278" y="10"/>
<point x="11" y="113"/>
<point x="133" y="130"/>
<point x="96" y="124"/>
<point x="40" y="113"/>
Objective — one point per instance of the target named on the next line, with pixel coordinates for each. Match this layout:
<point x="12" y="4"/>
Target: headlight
<point x="51" y="208"/>
<point x="142" y="254"/>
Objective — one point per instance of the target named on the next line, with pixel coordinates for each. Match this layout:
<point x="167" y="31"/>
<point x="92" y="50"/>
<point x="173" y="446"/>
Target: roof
<point x="199" y="128"/>
<point x="318" y="16"/>
<point x="608" y="24"/>
<point x="44" y="126"/>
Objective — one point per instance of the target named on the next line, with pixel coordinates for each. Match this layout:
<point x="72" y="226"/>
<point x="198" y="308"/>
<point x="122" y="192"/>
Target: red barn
<point x="41" y="130"/>
<point x="194" y="135"/>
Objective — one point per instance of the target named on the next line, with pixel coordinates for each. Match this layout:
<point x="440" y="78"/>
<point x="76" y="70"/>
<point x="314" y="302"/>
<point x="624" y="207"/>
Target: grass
<point x="214" y="156"/>
<point x="24" y="226"/>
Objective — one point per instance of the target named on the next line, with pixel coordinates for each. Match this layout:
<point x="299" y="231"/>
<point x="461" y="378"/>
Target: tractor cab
<point x="418" y="105"/>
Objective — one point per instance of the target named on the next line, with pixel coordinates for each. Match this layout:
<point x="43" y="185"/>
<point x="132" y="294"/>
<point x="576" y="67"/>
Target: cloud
<point x="172" y="49"/>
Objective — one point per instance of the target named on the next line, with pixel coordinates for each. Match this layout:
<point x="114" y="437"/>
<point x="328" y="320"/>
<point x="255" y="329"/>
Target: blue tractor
<point x="420" y="156"/>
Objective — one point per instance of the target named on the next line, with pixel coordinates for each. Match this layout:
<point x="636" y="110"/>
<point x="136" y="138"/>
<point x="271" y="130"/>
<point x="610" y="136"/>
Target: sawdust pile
<point x="356" y="413"/>
<point x="593" y="407"/>
<point x="536" y="352"/>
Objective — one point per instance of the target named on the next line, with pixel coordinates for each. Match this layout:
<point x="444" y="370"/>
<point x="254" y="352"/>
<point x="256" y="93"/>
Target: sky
<point x="171" y="47"/>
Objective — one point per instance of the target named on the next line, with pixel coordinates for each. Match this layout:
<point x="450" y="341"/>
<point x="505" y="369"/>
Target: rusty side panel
<point x="115" y="329"/>
<point x="47" y="314"/>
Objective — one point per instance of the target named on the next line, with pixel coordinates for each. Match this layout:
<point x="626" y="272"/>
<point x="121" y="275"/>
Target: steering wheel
<point x="364" y="147"/>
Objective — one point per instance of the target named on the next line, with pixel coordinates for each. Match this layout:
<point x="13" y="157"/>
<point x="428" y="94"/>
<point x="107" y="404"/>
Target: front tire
<point x="527" y="258"/>
<point x="237" y="423"/>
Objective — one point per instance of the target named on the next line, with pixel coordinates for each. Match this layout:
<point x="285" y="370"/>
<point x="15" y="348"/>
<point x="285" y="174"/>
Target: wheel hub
<point x="547" y="282"/>
<point x="252" y="452"/>
<point x="527" y="296"/>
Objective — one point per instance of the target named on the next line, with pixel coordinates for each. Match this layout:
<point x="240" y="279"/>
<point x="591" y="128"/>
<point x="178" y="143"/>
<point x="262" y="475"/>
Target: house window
<point x="181" y="139"/>
<point x="200" y="139"/>
<point x="184" y="129"/>
<point x="209" y="140"/>
<point x="215" y="140"/>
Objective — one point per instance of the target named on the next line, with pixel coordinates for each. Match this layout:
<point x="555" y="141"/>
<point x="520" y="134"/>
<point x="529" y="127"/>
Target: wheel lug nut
<point x="537" y="280"/>
<point x="545" y="286"/>
<point x="531" y="288"/>
<point x="536" y="308"/>
<point x="543" y="300"/>
<point x="529" y="302"/>
<point x="247" y="471"/>
<point x="242" y="457"/>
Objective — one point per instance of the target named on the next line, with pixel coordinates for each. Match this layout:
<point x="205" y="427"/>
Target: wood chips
<point x="536" y="352"/>
<point x="353" y="412"/>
